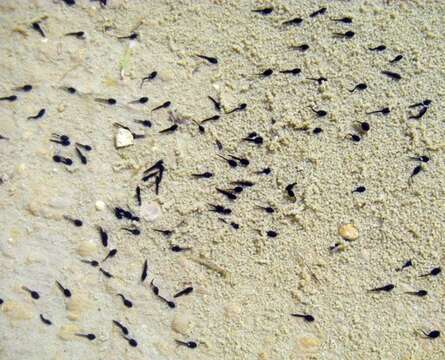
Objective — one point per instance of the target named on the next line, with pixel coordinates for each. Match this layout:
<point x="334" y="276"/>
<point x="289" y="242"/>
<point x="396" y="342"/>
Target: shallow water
<point x="246" y="284"/>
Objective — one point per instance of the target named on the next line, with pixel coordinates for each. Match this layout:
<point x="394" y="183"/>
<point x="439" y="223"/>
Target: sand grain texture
<point x="246" y="284"/>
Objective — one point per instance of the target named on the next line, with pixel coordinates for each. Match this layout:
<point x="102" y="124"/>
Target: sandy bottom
<point x="246" y="284"/>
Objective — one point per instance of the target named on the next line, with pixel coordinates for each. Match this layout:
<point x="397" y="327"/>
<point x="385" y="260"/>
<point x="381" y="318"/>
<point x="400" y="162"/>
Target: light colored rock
<point x="123" y="138"/>
<point x="87" y="248"/>
<point x="150" y="211"/>
<point x="100" y="205"/>
<point x="181" y="323"/>
<point x="348" y="232"/>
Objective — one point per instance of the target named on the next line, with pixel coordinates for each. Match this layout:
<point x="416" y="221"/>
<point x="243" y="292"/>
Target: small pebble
<point x="348" y="232"/>
<point x="123" y="138"/>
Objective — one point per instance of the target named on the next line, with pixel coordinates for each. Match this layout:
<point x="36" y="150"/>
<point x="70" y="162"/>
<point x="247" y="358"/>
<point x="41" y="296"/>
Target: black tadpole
<point x="415" y="171"/>
<point x="420" y="114"/>
<point x="144" y="271"/>
<point x="396" y="59"/>
<point x="347" y="35"/>
<point x="302" y="47"/>
<point x="243" y="162"/>
<point x="419" y="293"/>
<point x="90" y="337"/>
<point x="162" y="106"/>
<point x="232" y="163"/>
<point x="141" y="100"/>
<point x="36" y="26"/>
<point x="66" y="292"/>
<point x="189" y="344"/>
<point x="10" y="98"/>
<point x="131" y="342"/>
<point x="384" y="111"/>
<point x="227" y="194"/>
<point x="93" y="263"/>
<point x="134" y="231"/>
<point x="434" y="272"/>
<point x="344" y="20"/>
<point x="361" y="87"/>
<point x="212" y="118"/>
<point x="109" y="101"/>
<point x="122" y="327"/>
<point x="205" y="175"/>
<point x="216" y="104"/>
<point x="25" y="88"/>
<point x="386" y="288"/>
<point x="82" y="157"/>
<point x="353" y="137"/>
<point x="177" y="248"/>
<point x="220" y="209"/>
<point x="392" y="75"/>
<point x="308" y="318"/>
<point x="38" y="115"/>
<point x="132" y="36"/>
<point x="188" y="290"/>
<point x="294" y="71"/>
<point x="294" y="21"/>
<point x="63" y="160"/>
<point x="211" y="60"/>
<point x="266" y="73"/>
<point x="240" y="107"/>
<point x="77" y="34"/>
<point x="103" y="236"/>
<point x="289" y="189"/>
<point x="359" y="189"/>
<point x="75" y="222"/>
<point x="264" y="11"/>
<point x="144" y="123"/>
<point x="126" y="302"/>
<point x="319" y="80"/>
<point x="378" y="48"/>
<point x="34" y="294"/>
<point x="407" y="263"/>
<point x="320" y="11"/>
<point x="166" y="233"/>
<point x="170" y="129"/>
<point x="150" y="76"/>
<point x="44" y="320"/>
<point x="320" y="113"/>
<point x="112" y="253"/>
<point x="106" y="273"/>
<point x="432" y="334"/>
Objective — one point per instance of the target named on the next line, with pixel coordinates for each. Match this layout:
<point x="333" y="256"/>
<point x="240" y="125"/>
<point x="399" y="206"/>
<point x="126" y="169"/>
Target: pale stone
<point x="87" y="248"/>
<point x="150" y="211"/>
<point x="348" y="232"/>
<point x="100" y="205"/>
<point x="181" y="323"/>
<point x="123" y="138"/>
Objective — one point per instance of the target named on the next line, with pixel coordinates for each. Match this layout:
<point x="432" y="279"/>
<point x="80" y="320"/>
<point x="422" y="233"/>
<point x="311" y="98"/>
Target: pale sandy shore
<point x="246" y="283"/>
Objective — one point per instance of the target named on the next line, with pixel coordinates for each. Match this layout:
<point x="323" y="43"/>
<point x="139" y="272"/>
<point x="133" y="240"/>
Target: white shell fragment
<point x="123" y="138"/>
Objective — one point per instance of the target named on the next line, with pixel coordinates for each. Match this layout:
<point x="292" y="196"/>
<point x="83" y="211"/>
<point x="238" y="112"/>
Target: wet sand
<point x="246" y="284"/>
